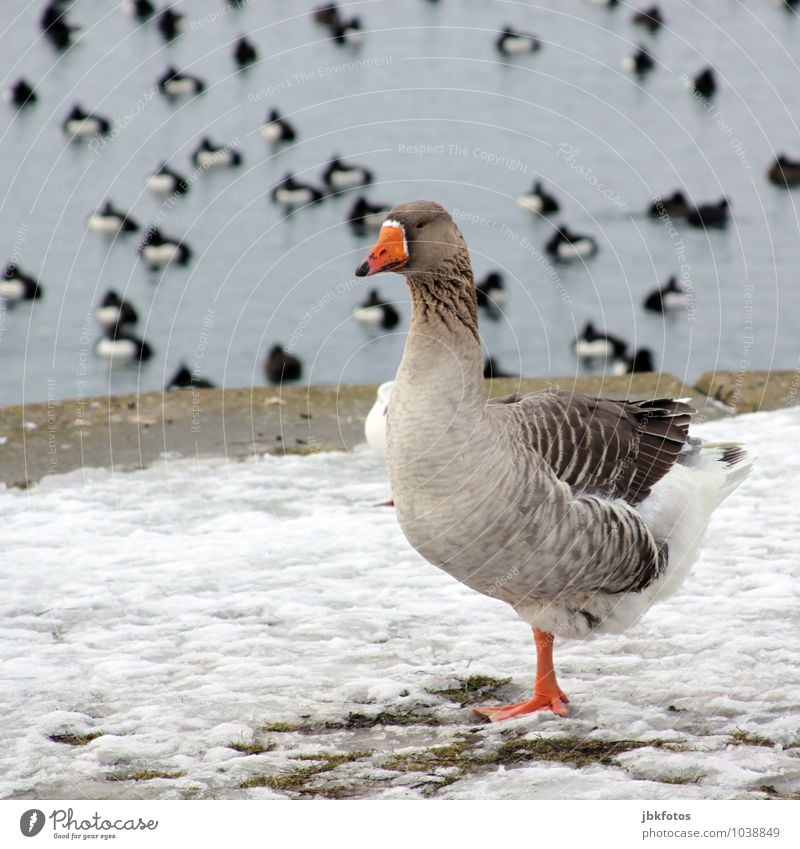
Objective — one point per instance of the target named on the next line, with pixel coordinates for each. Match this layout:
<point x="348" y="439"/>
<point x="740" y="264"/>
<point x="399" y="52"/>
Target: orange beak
<point x="390" y="251"/>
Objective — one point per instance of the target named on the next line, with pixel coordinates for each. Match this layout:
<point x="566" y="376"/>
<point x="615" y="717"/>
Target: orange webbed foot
<point x="556" y="703"/>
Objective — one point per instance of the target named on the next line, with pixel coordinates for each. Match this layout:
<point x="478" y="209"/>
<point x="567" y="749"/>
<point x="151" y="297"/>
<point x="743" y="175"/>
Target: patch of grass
<point x="569" y="750"/>
<point x="745" y="738"/>
<point x="76" y="739"/>
<point x="460" y="755"/>
<point x="283" y="727"/>
<point x="297" y="781"/>
<point x="148" y="775"/>
<point x="472" y="689"/>
<point x="399" y="716"/>
<point x="676" y="779"/>
<point x="257" y="747"/>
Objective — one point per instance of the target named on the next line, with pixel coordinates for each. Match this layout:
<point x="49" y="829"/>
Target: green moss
<point x="297" y="781"/>
<point x="460" y="755"/>
<point x="257" y="747"/>
<point x="570" y="750"/>
<point x="76" y="739"/>
<point x="745" y="738"/>
<point x="472" y="689"/>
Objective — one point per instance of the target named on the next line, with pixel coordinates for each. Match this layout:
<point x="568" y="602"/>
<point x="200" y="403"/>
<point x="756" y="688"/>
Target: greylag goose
<point x="577" y="511"/>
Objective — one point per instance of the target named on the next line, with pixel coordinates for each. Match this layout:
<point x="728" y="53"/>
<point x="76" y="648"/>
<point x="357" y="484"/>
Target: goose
<point x="365" y="216"/>
<point x="175" y="83"/>
<point x="208" y="155"/>
<point x="120" y="346"/>
<point x="291" y="193"/>
<point x="710" y="215"/>
<point x="565" y="246"/>
<point x="375" y="312"/>
<point x="784" y="172"/>
<point x="82" y="125"/>
<point x="675" y="206"/>
<point x="165" y="181"/>
<point x="577" y="511"/>
<point x="141" y="9"/>
<point x="641" y="361"/>
<point x="277" y="129"/>
<point x="593" y="344"/>
<point x="347" y="32"/>
<point x="114" y="311"/>
<point x="640" y="63"/>
<point x="244" y="53"/>
<point x="17" y="286"/>
<point x="538" y="200"/>
<point x="375" y="423"/>
<point x="185" y="379"/>
<point x="20" y="94"/>
<point x="339" y="176"/>
<point x="704" y="84"/>
<point x="111" y="221"/>
<point x="492" y="370"/>
<point x="511" y="42"/>
<point x="326" y="15"/>
<point x="282" y="367"/>
<point x="490" y="294"/>
<point x="651" y="19"/>
<point x="669" y="297"/>
<point x="159" y="251"/>
<point x="170" y="23"/>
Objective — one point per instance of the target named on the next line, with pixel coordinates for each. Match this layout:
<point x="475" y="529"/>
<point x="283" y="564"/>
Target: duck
<point x="710" y="215"/>
<point x="175" y="83"/>
<point x="159" y="251"/>
<point x="121" y="346"/>
<point x="327" y="15"/>
<point x="784" y="171"/>
<point x="704" y="84"/>
<point x="651" y="19"/>
<point x="375" y="312"/>
<point x="511" y="42"/>
<point x="208" y="155"/>
<point x="676" y="206"/>
<point x="82" y="125"/>
<point x="277" y="129"/>
<point x="492" y="370"/>
<point x="111" y="221"/>
<point x="667" y="298"/>
<point x="640" y="62"/>
<point x="594" y="344"/>
<point x="143" y="10"/>
<point x="490" y="294"/>
<point x="245" y="53"/>
<point x="577" y="511"/>
<point x="56" y="29"/>
<point x="113" y="311"/>
<point x="185" y="379"/>
<point x="17" y="286"/>
<point x="282" y="367"/>
<point x="539" y="201"/>
<point x="339" y="176"/>
<point x="170" y="23"/>
<point x="375" y="422"/>
<point x="565" y="246"/>
<point x="20" y="94"/>
<point x="609" y="4"/>
<point x="165" y="181"/>
<point x="350" y="32"/>
<point x="291" y="193"/>
<point x="640" y="362"/>
<point x="364" y="215"/>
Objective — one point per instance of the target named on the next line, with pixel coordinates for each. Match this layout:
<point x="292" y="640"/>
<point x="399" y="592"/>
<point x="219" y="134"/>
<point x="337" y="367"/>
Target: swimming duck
<point x="490" y="294"/>
<point x="365" y="216"/>
<point x="704" y="84"/>
<point x="579" y="512"/>
<point x="710" y="215"/>
<point x="291" y="193"/>
<point x="375" y="312"/>
<point x="165" y="181"/>
<point x="350" y="32"/>
<point x="56" y="29"/>
<point x="184" y="379"/>
<point x="339" y="176"/>
<point x="159" y="251"/>
<point x="511" y="42"/>
<point x="175" y="83"/>
<point x="651" y="19"/>
<point x="784" y="172"/>
<point x="17" y="286"/>
<point x="208" y="155"/>
<point x="676" y="206"/>
<point x="593" y="344"/>
<point x="141" y="9"/>
<point x="492" y="370"/>
<point x="113" y="311"/>
<point x="640" y="63"/>
<point x="669" y="297"/>
<point x="282" y="367"/>
<point x="327" y="15"/>
<point x="375" y="423"/>
<point x="170" y="23"/>
<point x="121" y="346"/>
<point x="244" y="53"/>
<point x="82" y="125"/>
<point x="20" y="94"/>
<point x="277" y="129"/>
<point x="565" y="246"/>
<point x="111" y="221"/>
<point x="538" y="200"/>
<point x="641" y="361"/>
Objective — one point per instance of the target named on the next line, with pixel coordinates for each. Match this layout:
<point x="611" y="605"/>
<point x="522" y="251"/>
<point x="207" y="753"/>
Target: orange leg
<point x="547" y="695"/>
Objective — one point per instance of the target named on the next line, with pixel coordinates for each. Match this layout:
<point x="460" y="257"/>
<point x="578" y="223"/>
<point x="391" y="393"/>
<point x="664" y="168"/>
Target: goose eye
<point x="420" y="225"/>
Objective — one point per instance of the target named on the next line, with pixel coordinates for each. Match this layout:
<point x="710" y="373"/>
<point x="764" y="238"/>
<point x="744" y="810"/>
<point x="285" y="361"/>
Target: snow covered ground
<point x="259" y="629"/>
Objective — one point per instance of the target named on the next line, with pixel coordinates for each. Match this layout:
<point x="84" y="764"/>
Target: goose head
<point x="416" y="238"/>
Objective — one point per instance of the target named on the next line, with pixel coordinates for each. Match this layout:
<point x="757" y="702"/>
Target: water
<point x="426" y="75"/>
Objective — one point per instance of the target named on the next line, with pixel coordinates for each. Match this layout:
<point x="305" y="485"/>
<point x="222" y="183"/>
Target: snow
<point x="161" y="616"/>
